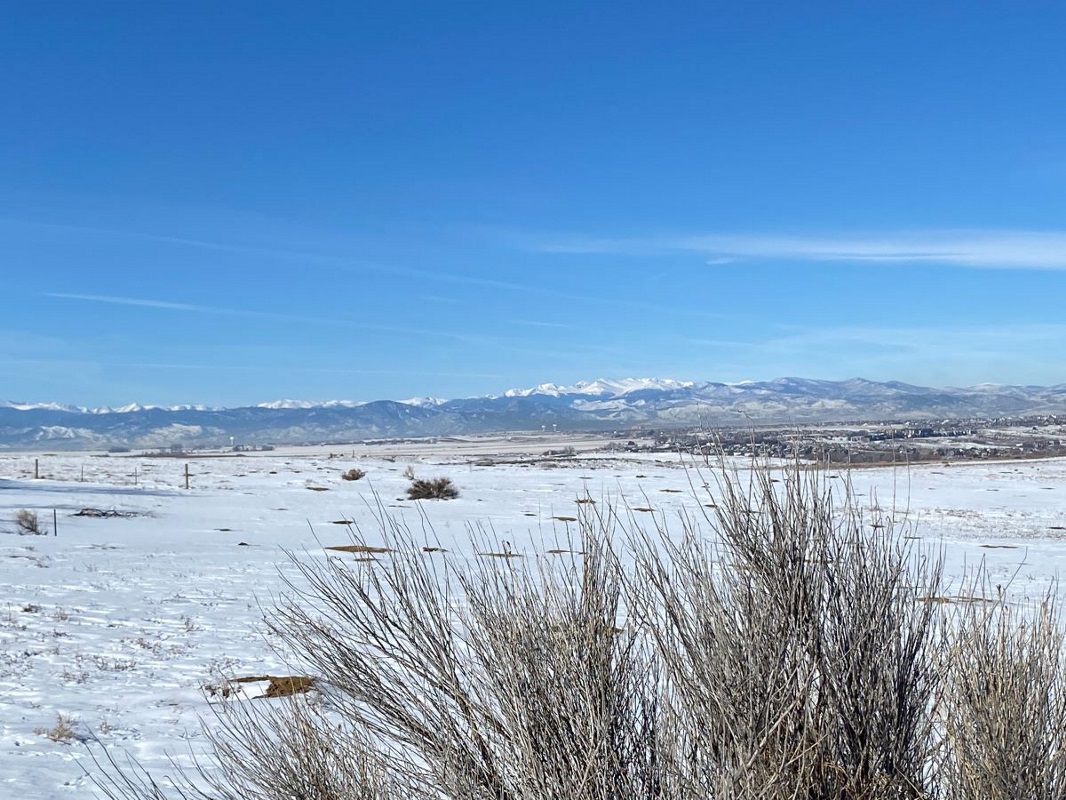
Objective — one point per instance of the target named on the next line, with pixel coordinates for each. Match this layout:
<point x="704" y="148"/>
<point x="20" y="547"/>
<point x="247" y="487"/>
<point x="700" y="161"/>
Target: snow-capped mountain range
<point x="126" y="409"/>
<point x="587" y="405"/>
<point x="601" y="387"/>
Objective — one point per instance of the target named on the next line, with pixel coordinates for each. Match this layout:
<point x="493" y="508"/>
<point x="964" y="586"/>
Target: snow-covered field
<point x="117" y="622"/>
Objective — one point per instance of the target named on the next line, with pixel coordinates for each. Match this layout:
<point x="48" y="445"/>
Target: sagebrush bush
<point x="28" y="522"/>
<point x="797" y="654"/>
<point x="432" y="489"/>
<point x="784" y="646"/>
<point x="1005" y="705"/>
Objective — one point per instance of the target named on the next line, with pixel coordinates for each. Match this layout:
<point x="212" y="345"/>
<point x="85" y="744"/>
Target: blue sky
<point x="228" y="203"/>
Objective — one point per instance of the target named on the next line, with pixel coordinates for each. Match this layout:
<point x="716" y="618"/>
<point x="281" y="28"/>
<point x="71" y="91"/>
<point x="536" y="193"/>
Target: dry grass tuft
<point x="277" y="685"/>
<point x="287" y="685"/>
<point x="63" y="731"/>
<point x="359" y="548"/>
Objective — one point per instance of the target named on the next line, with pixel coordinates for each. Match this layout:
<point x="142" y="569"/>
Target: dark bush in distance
<point x="28" y="522"/>
<point x="432" y="489"/>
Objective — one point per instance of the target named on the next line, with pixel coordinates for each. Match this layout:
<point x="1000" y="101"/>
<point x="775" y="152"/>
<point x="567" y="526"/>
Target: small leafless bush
<point x="27" y="522"/>
<point x="486" y="681"/>
<point x="432" y="489"/>
<point x="353" y="474"/>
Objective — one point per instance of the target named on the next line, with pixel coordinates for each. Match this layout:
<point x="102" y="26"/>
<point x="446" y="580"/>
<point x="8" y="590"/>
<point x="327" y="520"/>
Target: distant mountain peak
<point x="602" y="387"/>
<point x="22" y="406"/>
<point x="278" y="405"/>
<point x="423" y="401"/>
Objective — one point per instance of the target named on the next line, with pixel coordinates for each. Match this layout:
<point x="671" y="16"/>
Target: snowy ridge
<point x="601" y="387"/>
<point x="20" y="406"/>
<point x="423" y="401"/>
<point x="130" y="408"/>
<point x="304" y="404"/>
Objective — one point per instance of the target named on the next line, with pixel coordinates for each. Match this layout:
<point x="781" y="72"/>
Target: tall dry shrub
<point x="1005" y="703"/>
<point x="794" y="646"/>
<point x="502" y="678"/>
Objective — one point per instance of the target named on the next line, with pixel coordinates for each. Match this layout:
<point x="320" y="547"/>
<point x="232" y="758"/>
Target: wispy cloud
<point x="148" y="303"/>
<point x="976" y="340"/>
<point x="202" y="244"/>
<point x="990" y="249"/>
<point x="536" y="323"/>
<point x="930" y="354"/>
<point x="498" y="343"/>
<point x="303" y="369"/>
<point x="336" y="260"/>
<point x="330" y="321"/>
<point x="582" y="245"/>
<point x="340" y="260"/>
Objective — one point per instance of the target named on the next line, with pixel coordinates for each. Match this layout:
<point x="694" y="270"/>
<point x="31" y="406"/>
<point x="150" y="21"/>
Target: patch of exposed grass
<point x="359" y="548"/>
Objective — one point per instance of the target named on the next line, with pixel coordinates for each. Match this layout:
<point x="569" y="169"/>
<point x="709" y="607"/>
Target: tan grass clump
<point x="63" y="731"/>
